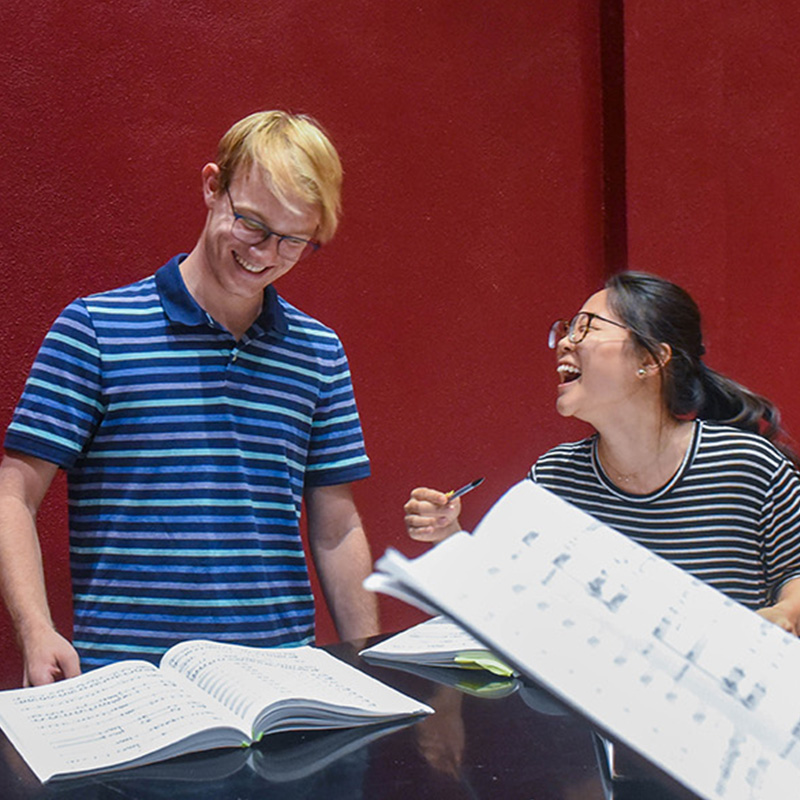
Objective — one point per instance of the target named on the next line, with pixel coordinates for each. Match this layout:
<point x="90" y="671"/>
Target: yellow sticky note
<point x="480" y="659"/>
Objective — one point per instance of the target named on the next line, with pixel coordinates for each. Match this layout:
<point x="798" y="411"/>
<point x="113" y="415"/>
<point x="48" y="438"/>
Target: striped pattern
<point x="730" y="515"/>
<point x="187" y="456"/>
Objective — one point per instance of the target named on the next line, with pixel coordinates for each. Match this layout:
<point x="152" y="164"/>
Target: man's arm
<point x="342" y="558"/>
<point x="47" y="655"/>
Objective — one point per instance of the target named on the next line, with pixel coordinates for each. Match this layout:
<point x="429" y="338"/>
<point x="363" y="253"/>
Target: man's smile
<point x="247" y="265"/>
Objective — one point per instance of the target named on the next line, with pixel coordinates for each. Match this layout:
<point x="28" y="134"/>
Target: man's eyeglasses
<point x="252" y="232"/>
<point x="576" y="328"/>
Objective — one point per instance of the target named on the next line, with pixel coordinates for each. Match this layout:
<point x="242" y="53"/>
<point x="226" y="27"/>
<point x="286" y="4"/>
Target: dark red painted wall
<point x="470" y="135"/>
<point x="473" y="143"/>
<point x="713" y="165"/>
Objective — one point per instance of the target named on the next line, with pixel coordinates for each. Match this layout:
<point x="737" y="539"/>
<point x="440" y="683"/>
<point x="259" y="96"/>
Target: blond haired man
<point x="194" y="411"/>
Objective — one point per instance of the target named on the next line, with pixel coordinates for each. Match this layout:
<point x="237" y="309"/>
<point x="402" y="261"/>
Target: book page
<point x="110" y="716"/>
<point x="378" y="582"/>
<point x="441" y="642"/>
<point x="306" y="686"/>
<point x="702" y="687"/>
<point x="436" y="636"/>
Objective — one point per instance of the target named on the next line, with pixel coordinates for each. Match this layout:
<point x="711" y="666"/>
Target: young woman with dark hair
<point x="684" y="460"/>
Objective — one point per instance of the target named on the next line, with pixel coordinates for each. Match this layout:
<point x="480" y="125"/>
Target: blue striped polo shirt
<point x="187" y="454"/>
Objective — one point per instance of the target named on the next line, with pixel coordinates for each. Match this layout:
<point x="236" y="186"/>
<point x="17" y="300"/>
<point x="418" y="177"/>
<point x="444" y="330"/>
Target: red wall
<point x="470" y="136"/>
<point x="713" y="166"/>
<point x="474" y="140"/>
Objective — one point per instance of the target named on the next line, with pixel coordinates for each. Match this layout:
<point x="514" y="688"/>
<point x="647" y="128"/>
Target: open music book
<point x="442" y="652"/>
<point x="437" y="642"/>
<point x="203" y="695"/>
<point x="660" y="662"/>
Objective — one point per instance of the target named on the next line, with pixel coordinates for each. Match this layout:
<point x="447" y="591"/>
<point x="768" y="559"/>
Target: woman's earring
<point x="642" y="372"/>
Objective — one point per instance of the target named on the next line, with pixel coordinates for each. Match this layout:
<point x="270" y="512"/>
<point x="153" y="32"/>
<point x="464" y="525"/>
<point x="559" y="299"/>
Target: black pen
<point x="453" y="493"/>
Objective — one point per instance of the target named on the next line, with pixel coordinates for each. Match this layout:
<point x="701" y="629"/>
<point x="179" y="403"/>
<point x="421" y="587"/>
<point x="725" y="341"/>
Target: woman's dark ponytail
<point x="730" y="402"/>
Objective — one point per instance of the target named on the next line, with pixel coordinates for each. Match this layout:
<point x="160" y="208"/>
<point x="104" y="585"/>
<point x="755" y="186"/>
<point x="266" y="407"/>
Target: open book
<point x="442" y="652"/>
<point x="437" y="642"/>
<point x="203" y="695"/>
<point x="658" y="661"/>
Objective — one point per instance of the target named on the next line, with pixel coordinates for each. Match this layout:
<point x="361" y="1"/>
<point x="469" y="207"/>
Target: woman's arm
<point x="786" y="612"/>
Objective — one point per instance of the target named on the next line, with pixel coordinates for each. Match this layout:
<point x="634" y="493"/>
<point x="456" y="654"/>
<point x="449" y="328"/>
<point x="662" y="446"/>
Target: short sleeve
<point x="337" y="453"/>
<point x="781" y="525"/>
<point x="62" y="401"/>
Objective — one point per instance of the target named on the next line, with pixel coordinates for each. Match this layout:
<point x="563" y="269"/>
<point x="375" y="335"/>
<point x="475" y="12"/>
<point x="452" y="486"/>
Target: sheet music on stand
<point x="698" y="685"/>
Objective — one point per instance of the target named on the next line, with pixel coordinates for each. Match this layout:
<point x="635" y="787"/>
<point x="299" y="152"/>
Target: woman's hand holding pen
<point x="432" y="515"/>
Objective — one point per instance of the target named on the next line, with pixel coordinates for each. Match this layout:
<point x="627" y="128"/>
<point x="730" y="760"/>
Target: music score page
<point x="699" y="685"/>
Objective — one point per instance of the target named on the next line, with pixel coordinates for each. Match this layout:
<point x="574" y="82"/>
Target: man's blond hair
<point x="300" y="160"/>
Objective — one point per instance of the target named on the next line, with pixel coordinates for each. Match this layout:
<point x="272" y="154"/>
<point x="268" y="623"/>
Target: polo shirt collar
<point x="181" y="307"/>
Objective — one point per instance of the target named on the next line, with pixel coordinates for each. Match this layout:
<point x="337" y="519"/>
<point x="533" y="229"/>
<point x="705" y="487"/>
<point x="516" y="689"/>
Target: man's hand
<point x="48" y="657"/>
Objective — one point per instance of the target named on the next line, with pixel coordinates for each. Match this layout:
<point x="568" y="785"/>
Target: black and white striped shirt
<point x="730" y="515"/>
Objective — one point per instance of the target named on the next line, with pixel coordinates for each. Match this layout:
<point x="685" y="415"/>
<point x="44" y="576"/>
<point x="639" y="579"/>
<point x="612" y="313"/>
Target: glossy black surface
<point x="517" y="744"/>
